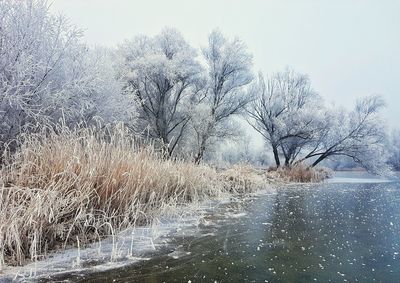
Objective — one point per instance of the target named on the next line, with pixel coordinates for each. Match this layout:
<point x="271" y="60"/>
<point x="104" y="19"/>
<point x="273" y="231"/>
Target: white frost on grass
<point x="236" y="215"/>
<point x="125" y="248"/>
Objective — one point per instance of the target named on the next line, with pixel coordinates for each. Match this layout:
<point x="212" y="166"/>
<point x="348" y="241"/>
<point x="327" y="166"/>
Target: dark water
<point x="334" y="232"/>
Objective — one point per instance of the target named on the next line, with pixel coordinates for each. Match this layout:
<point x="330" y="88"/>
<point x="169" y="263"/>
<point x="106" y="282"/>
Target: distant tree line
<point x="394" y="150"/>
<point x="181" y="97"/>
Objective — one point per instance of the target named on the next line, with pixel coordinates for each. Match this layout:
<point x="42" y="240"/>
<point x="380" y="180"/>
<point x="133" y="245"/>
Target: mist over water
<point x="331" y="232"/>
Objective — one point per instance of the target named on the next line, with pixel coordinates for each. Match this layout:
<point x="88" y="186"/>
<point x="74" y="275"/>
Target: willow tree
<point x="293" y="120"/>
<point x="285" y="112"/>
<point x="357" y="134"/>
<point x="163" y="75"/>
<point x="228" y="68"/>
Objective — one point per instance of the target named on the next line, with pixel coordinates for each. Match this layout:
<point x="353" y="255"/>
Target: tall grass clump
<point x="302" y="173"/>
<point x="65" y="185"/>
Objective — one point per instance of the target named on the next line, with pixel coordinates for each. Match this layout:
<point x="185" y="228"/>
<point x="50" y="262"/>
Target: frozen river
<point x="346" y="230"/>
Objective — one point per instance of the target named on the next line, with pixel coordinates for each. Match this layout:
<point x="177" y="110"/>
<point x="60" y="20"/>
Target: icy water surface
<point x="332" y="232"/>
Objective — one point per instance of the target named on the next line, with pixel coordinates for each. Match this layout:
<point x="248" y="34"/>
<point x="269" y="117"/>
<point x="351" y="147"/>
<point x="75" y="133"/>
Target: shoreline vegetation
<point x="66" y="187"/>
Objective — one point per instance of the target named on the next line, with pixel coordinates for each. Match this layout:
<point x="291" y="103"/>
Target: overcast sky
<point x="349" y="48"/>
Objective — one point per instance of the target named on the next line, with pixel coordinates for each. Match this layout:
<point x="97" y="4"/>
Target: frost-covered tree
<point x="394" y="150"/>
<point x="241" y="150"/>
<point x="97" y="94"/>
<point x="163" y="75"/>
<point x="294" y="121"/>
<point x="33" y="48"/>
<point x="286" y="112"/>
<point x="48" y="75"/>
<point x="357" y="134"/>
<point x="228" y="67"/>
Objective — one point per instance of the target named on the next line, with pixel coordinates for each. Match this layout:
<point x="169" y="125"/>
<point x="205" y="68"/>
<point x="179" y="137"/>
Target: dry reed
<point x="80" y="185"/>
<point x="301" y="173"/>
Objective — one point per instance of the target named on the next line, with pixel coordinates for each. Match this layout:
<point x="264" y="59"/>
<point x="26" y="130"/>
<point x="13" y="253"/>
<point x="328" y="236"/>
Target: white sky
<point x="349" y="48"/>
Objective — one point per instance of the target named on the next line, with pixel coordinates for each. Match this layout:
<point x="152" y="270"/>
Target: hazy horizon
<point x="348" y="48"/>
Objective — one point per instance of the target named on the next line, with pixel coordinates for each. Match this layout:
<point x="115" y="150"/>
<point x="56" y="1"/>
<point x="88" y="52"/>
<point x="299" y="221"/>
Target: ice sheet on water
<point x="357" y="180"/>
<point x="360" y="177"/>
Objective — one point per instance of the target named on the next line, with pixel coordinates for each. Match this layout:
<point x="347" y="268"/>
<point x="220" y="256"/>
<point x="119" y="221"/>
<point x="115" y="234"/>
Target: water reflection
<point x="321" y="233"/>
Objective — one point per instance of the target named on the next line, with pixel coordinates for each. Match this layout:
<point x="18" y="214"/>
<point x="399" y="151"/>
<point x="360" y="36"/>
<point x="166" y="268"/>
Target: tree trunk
<point x="200" y="152"/>
<point x="276" y="155"/>
<point x="199" y="156"/>
<point x="204" y="138"/>
<point x="287" y="161"/>
<point x="319" y="159"/>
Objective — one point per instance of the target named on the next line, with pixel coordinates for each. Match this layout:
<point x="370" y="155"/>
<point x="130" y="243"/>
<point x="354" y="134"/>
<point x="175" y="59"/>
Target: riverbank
<point x="72" y="188"/>
<point x="134" y="245"/>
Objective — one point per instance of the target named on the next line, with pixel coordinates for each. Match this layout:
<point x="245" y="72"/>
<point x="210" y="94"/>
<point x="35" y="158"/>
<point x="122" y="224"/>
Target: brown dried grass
<point x="302" y="173"/>
<point x="84" y="184"/>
